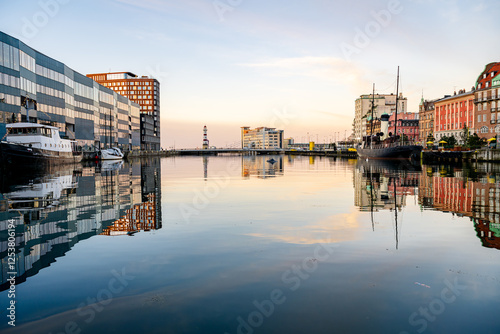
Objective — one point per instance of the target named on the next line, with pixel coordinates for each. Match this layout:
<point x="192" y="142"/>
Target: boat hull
<point x="13" y="153"/>
<point x="395" y="152"/>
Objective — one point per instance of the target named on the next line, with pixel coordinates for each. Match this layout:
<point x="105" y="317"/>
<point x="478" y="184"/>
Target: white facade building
<point x="261" y="138"/>
<point x="384" y="103"/>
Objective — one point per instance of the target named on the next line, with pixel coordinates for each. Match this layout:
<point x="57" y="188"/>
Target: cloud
<point x="327" y="68"/>
<point x="333" y="229"/>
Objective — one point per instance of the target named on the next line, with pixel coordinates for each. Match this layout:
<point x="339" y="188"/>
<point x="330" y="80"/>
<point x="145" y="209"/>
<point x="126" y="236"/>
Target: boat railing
<point x="29" y="144"/>
<point x="388" y="144"/>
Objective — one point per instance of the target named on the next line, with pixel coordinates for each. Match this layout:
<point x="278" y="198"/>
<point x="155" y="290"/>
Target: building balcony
<point x="493" y="121"/>
<point x="493" y="109"/>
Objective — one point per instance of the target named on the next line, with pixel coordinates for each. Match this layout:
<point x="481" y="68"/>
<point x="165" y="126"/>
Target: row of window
<point x="86" y="91"/>
<point x="484" y="94"/>
<point x="106" y="97"/>
<point x="453" y="116"/>
<point x="131" y="85"/>
<point x="11" y="99"/>
<point x="52" y="92"/>
<point x="83" y="105"/>
<point x="9" y="80"/>
<point x="484" y="106"/>
<point x="454" y="106"/>
<point x="9" y="56"/>
<point x="53" y="75"/>
<point x="28" y="86"/>
<point x="452" y="126"/>
<point x="46" y="108"/>
<point x="27" y="61"/>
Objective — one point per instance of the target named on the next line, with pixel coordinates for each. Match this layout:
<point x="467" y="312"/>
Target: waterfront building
<point x="426" y="119"/>
<point x="453" y="113"/>
<point x="40" y="89"/>
<point x="145" y="92"/>
<point x="383" y="103"/>
<point x="261" y="138"/>
<point x="288" y="142"/>
<point x="487" y="100"/>
<point x="408" y="125"/>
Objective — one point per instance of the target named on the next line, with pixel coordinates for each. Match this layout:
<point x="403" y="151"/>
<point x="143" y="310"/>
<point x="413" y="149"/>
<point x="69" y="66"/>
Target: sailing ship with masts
<point x="384" y="145"/>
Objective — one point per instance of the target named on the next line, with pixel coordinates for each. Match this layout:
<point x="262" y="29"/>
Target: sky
<point x="294" y="65"/>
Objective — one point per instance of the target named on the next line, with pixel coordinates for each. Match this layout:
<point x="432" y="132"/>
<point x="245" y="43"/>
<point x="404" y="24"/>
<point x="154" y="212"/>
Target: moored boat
<point x="32" y="143"/>
<point x="387" y="146"/>
<point x="391" y="151"/>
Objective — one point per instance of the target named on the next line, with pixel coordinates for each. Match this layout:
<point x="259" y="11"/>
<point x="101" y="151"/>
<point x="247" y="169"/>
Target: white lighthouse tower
<point x="205" y="139"/>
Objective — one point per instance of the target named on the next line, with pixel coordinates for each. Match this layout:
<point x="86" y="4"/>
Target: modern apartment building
<point x="383" y="103"/>
<point x="487" y="100"/>
<point x="144" y="91"/>
<point x="40" y="89"/>
<point x="453" y="113"/>
<point x="261" y="138"/>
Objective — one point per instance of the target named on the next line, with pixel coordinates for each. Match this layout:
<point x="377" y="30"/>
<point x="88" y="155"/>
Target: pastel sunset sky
<point x="295" y="65"/>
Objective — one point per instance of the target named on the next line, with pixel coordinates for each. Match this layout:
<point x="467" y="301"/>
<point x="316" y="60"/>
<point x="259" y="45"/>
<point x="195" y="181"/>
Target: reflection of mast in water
<point x="371" y="198"/>
<point x="396" y="211"/>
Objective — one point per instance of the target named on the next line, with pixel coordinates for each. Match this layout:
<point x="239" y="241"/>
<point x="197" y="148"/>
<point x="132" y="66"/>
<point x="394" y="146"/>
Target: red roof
<point x="491" y="67"/>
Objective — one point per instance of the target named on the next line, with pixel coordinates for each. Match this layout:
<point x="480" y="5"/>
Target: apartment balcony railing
<point x="493" y="109"/>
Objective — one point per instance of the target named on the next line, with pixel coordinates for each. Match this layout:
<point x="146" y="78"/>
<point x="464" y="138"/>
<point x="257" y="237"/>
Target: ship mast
<point x="371" y="124"/>
<point x="396" y="117"/>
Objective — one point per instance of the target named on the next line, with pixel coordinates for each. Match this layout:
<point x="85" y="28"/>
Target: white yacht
<point x="32" y="142"/>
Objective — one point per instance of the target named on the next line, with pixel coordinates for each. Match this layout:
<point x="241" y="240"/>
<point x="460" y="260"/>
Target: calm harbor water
<point x="252" y="244"/>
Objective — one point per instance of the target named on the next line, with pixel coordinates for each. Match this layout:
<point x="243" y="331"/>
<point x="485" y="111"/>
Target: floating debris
<point x="424" y="285"/>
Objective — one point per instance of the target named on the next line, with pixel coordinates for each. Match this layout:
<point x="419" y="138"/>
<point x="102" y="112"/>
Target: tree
<point x="464" y="136"/>
<point x="475" y="142"/>
<point x="451" y="141"/>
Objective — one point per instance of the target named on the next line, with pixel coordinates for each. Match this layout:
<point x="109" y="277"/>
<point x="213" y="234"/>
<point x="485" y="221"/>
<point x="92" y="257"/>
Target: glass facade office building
<point x="39" y="89"/>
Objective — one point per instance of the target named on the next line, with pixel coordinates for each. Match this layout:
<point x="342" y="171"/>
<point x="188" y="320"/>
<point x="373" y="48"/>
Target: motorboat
<point x="31" y="142"/>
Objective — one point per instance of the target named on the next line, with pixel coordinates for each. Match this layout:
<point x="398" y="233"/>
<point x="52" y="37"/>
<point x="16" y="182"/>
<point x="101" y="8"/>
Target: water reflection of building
<point x="382" y="185"/>
<point x="52" y="213"/>
<point x="262" y="166"/>
<point x="146" y="215"/>
<point x="140" y="217"/>
<point x="488" y="232"/>
<point x="465" y="192"/>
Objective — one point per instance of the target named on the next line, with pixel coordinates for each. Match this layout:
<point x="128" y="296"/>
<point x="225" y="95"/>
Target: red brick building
<point x="452" y="113"/>
<point x="407" y="125"/>
<point x="144" y="91"/>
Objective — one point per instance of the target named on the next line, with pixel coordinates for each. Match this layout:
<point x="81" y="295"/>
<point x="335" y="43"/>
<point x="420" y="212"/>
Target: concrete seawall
<point x="486" y="155"/>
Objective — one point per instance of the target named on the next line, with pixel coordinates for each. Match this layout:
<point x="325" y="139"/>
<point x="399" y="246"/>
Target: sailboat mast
<point x="371" y="124"/>
<point x="396" y="212"/>
<point x="397" y="95"/>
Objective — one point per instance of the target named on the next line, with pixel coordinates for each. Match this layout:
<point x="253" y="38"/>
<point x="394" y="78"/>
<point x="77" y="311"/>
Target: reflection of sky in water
<point x="199" y="274"/>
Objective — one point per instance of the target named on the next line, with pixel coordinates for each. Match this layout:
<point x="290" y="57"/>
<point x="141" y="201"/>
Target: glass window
<point x="6" y="55"/>
<point x="16" y="58"/>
